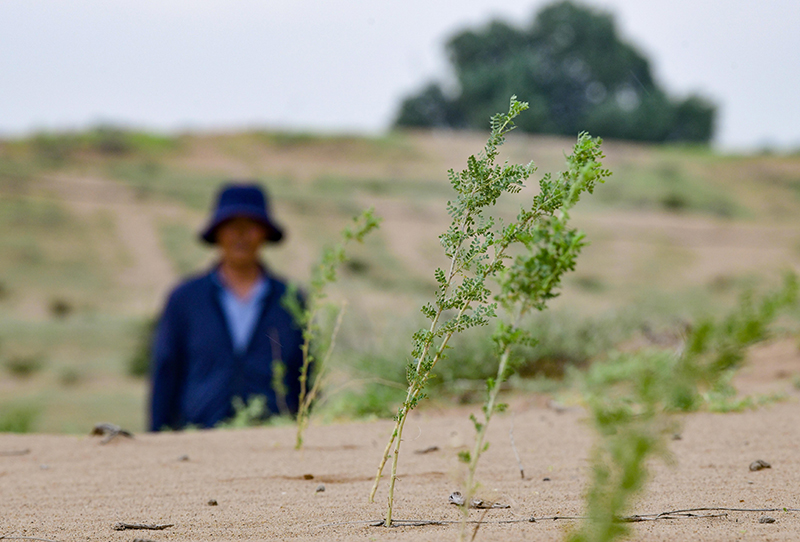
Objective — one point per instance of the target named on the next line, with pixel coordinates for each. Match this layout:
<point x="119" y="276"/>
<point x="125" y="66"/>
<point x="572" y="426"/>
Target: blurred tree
<point x="574" y="71"/>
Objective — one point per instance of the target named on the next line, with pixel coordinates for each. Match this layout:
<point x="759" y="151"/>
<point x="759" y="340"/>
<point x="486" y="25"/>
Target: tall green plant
<point x="477" y="246"/>
<point x="632" y="397"/>
<point x="323" y="273"/>
<point x="551" y="249"/>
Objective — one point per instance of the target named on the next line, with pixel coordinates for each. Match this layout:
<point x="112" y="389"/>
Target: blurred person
<point x="220" y="331"/>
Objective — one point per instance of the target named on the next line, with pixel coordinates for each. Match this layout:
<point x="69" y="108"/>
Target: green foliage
<point x="324" y="273"/>
<point x="251" y="413"/>
<point x="477" y="244"/>
<point x="139" y="362"/>
<point x="576" y="72"/>
<point x="560" y="339"/>
<point x="17" y="419"/>
<point x="54" y="148"/>
<point x="631" y="397"/>
<point x="550" y="248"/>
<point x="24" y="366"/>
<point x="374" y="399"/>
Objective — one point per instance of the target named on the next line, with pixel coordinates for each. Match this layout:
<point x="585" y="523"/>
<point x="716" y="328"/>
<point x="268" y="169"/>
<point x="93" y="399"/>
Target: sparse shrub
<point x="370" y="383"/>
<point x="54" y="149"/>
<point x="60" y="308"/>
<point x="373" y="399"/>
<point x="108" y="139"/>
<point x="114" y="140"/>
<point x="357" y="266"/>
<point x="69" y="376"/>
<point x="17" y="419"/>
<point x="322" y="274"/>
<point x="590" y="283"/>
<point x="471" y="358"/>
<point x="674" y="202"/>
<point x="246" y="414"/>
<point x="563" y="339"/>
<point x="139" y="362"/>
<point x="631" y="398"/>
<point x="24" y="366"/>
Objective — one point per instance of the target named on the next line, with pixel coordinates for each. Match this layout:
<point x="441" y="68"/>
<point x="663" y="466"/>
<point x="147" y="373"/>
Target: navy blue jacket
<point x="195" y="372"/>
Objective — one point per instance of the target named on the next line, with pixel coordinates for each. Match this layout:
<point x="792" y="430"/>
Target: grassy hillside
<point x="95" y="227"/>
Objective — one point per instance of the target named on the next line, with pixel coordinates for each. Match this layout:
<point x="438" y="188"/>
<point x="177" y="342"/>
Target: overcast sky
<point x="343" y="66"/>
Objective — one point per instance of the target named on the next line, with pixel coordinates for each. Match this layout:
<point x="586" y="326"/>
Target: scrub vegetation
<point x="307" y="313"/>
<point x="477" y="245"/>
<point x="633" y="399"/>
<point x="650" y="323"/>
<point x="651" y="267"/>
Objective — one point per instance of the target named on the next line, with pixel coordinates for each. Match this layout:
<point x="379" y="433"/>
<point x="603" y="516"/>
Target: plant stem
<point x="312" y="394"/>
<point x="414" y="390"/>
<point x="302" y="409"/>
<point x="401" y="414"/>
<point x="480" y="438"/>
<point x="390" y="503"/>
<point x="477" y="449"/>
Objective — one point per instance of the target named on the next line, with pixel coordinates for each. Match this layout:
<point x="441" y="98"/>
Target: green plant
<point x="17" y="419"/>
<point x="24" y="366"/>
<point x="323" y="274"/>
<point x="60" y="308"/>
<point x="562" y="339"/>
<point x="557" y="60"/>
<point x="551" y="249"/>
<point x="631" y="398"/>
<point x="476" y="245"/>
<point x="246" y="414"/>
<point x="139" y="361"/>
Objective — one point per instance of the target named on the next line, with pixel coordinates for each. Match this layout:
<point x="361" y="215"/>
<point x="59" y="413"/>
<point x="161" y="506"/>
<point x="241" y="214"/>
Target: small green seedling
<point x="323" y="273"/>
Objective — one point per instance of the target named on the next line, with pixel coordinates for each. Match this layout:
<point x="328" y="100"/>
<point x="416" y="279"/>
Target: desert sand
<point x="67" y="487"/>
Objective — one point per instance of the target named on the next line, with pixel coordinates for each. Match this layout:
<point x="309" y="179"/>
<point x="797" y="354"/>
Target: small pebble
<point x="320" y="489"/>
<point x="759" y="464"/>
<point x="308" y="477"/>
<point x="212" y="502"/>
<point x="766" y="519"/>
<point x="545" y="479"/>
<point x="183" y="458"/>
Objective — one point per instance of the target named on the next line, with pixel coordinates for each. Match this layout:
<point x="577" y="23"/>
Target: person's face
<point x="239" y="240"/>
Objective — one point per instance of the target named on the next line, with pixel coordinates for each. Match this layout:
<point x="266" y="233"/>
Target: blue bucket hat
<point x="242" y="200"/>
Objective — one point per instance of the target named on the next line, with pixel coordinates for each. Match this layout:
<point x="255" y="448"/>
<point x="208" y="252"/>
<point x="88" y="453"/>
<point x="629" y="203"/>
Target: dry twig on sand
<point x="152" y="527"/>
<point x="110" y="431"/>
<point x="687" y="513"/>
<point x="6" y="453"/>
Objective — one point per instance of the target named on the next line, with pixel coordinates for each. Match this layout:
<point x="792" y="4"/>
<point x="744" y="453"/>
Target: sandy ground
<point x="63" y="488"/>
